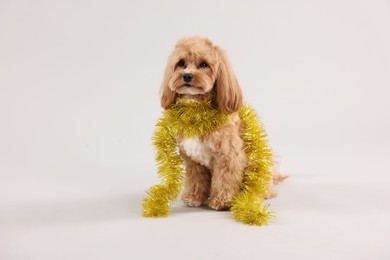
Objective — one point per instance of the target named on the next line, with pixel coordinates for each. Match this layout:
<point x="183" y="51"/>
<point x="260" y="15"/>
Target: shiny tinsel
<point x="190" y="119"/>
<point x="248" y="205"/>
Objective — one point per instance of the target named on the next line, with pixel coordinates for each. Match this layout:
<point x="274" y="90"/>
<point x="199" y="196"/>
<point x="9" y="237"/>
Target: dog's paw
<point x="194" y="201"/>
<point x="219" y="204"/>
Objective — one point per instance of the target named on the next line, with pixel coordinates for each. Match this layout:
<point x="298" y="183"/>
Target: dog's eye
<point x="181" y="63"/>
<point x="203" y="65"/>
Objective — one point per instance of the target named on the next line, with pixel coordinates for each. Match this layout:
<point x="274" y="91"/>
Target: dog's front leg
<point x="228" y="172"/>
<point x="196" y="183"/>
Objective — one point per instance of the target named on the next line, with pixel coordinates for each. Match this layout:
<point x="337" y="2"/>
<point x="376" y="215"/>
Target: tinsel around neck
<point x="191" y="118"/>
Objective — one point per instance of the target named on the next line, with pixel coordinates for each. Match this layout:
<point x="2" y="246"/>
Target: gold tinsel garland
<point x="190" y="119"/>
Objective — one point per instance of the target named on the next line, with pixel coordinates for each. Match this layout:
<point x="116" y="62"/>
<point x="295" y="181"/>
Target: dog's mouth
<point x="189" y="89"/>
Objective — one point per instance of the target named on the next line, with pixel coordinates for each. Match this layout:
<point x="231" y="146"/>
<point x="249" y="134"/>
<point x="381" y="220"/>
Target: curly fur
<point x="214" y="163"/>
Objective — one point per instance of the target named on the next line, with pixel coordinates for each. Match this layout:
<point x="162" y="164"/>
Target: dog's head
<point x="197" y="67"/>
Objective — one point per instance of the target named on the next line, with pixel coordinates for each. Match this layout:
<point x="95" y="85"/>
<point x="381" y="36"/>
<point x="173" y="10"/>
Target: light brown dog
<point x="198" y="70"/>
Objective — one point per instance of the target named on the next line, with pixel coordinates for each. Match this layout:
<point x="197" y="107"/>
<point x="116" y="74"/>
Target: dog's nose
<point x="187" y="77"/>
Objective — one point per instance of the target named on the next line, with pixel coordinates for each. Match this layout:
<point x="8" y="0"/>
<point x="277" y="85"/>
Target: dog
<point x="198" y="70"/>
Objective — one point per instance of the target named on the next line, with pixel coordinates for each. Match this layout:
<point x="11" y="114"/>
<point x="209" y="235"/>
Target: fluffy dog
<point x="197" y="71"/>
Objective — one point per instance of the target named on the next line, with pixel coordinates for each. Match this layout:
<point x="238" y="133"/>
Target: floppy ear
<point x="229" y="95"/>
<point x="168" y="96"/>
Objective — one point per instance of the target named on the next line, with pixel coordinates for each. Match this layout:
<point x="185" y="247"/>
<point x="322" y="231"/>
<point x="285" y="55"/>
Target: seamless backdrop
<point x="79" y="84"/>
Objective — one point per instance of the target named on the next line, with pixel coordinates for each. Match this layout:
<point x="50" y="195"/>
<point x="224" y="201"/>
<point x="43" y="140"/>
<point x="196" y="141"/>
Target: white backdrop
<point x="79" y="84"/>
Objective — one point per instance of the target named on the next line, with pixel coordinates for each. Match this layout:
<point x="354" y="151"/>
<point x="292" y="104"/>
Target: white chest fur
<point x="196" y="150"/>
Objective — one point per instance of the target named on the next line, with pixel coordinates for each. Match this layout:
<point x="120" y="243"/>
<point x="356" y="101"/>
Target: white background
<point x="79" y="83"/>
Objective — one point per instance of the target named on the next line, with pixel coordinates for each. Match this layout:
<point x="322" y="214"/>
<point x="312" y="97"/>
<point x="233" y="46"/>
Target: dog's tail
<point x="277" y="176"/>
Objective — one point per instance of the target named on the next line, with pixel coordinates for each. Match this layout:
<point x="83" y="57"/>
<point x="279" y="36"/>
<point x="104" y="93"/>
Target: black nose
<point x="187" y="77"/>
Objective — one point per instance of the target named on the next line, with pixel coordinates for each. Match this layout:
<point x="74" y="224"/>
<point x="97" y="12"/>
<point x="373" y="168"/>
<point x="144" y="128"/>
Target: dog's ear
<point x="168" y="97"/>
<point x="229" y="95"/>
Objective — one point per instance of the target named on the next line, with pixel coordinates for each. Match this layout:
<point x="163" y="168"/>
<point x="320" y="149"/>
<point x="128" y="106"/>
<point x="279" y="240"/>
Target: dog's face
<point x="197" y="67"/>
